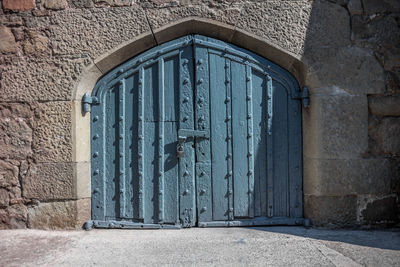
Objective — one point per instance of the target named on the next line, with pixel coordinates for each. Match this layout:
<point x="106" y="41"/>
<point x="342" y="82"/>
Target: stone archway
<point x="140" y="43"/>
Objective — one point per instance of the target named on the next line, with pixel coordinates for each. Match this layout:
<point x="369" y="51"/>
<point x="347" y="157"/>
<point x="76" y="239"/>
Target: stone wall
<point x="351" y="131"/>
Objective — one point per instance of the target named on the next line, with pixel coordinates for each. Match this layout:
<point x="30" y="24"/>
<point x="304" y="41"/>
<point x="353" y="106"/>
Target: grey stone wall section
<point x="345" y="51"/>
<point x="351" y="147"/>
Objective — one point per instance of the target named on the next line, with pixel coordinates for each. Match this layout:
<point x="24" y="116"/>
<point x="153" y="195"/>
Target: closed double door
<point x="196" y="132"/>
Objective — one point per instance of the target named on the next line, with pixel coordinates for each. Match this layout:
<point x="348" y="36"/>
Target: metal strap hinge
<point x="304" y="96"/>
<point x="87" y="101"/>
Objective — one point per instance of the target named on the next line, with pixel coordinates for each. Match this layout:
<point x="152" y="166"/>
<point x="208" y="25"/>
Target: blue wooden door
<point x="196" y="132"/>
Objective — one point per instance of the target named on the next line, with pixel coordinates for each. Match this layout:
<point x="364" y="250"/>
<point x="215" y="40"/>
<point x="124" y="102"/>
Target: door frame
<point x="112" y="58"/>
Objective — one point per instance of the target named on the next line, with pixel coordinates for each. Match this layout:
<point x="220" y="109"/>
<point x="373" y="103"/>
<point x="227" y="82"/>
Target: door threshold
<point x="263" y="221"/>
<point x="113" y="224"/>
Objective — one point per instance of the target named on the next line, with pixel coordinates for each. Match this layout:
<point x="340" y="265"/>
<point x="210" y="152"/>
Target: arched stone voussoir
<point x="179" y="28"/>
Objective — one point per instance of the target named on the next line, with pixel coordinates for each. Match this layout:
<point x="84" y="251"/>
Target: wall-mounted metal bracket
<point x="87" y="101"/>
<point x="305" y="97"/>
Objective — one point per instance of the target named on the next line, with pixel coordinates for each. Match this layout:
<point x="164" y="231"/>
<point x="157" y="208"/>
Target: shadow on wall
<point x="350" y="132"/>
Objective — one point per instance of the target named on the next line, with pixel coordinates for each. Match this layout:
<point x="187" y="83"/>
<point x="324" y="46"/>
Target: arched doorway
<point x="196" y="132"/>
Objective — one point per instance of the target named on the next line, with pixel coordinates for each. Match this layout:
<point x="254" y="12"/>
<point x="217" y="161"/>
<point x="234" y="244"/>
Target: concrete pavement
<point x="262" y="246"/>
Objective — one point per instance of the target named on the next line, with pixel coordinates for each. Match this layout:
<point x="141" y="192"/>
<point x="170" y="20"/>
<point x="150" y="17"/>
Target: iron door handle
<point x="184" y="134"/>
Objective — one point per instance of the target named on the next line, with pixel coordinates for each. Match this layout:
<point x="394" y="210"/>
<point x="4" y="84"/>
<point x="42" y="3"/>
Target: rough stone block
<point x="390" y="58"/>
<point x="11" y="20"/>
<point x="102" y="29"/>
<point x="385" y="135"/>
<point x="331" y="211"/>
<point x="17" y="122"/>
<point x="113" y="2"/>
<point x="55" y="4"/>
<point x="13" y="217"/>
<point x="8" y="174"/>
<point x="338" y="177"/>
<point x="7" y="41"/>
<point x="15" y="196"/>
<point x="83" y="3"/>
<point x="3" y="219"/>
<point x="52" y="139"/>
<point x="4" y="198"/>
<point x="283" y="23"/>
<point x="393" y="81"/>
<point x="378" y="210"/>
<point x="375" y="33"/>
<point x="384" y="105"/>
<point x="36" y="44"/>
<point x="59" y="215"/>
<point x="28" y="79"/>
<point x="179" y="3"/>
<point x="50" y="181"/>
<point x="220" y="12"/>
<point x="380" y="6"/>
<point x="353" y="69"/>
<point x="327" y="25"/>
<point x="18" y="5"/>
<point x="335" y="125"/>
<point x="355" y="7"/>
<point x="395" y="168"/>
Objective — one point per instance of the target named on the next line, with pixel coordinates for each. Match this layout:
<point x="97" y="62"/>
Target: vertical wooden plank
<point x="186" y="121"/>
<point x="121" y="148"/>
<point x="151" y="141"/>
<point x="171" y="88"/>
<point x="141" y="198"/>
<point x="295" y="159"/>
<point x="249" y="137"/>
<point x="171" y="174"/>
<point x="131" y="147"/>
<point x="98" y="161"/>
<point x="218" y="102"/>
<point x="240" y="116"/>
<point x="171" y="117"/>
<point x="110" y="153"/>
<point x="203" y="154"/>
<point x="161" y="140"/>
<point x="150" y="172"/>
<point x="280" y="149"/>
<point x="259" y="139"/>
<point x="270" y="153"/>
<point x="228" y="120"/>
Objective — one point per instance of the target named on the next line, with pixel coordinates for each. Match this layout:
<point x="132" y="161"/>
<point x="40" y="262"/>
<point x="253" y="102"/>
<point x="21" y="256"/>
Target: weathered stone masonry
<point x="350" y="50"/>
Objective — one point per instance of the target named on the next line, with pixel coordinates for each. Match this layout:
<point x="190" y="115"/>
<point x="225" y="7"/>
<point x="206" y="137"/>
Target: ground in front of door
<point x="274" y="246"/>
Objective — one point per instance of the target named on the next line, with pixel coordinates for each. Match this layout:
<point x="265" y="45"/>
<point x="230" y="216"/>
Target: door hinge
<point x="304" y="96"/>
<point x="87" y="101"/>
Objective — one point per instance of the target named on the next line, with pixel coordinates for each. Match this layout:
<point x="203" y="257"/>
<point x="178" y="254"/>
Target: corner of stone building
<point x="351" y="157"/>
